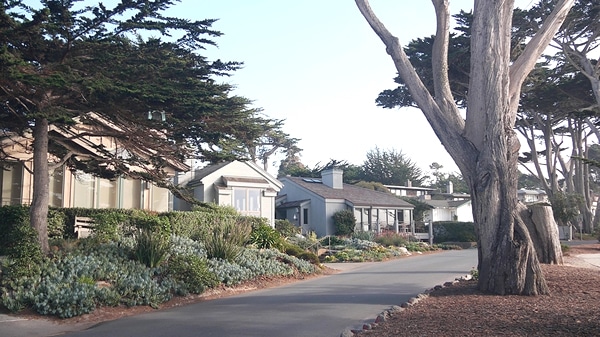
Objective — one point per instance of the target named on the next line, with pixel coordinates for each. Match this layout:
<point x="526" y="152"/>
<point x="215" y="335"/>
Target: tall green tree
<point x="390" y="167"/>
<point x="440" y="179"/>
<point x="60" y="61"/>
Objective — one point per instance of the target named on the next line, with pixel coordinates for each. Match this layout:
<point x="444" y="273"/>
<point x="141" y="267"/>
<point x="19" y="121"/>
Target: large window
<point x="11" y="184"/>
<point x="107" y="194"/>
<point x="132" y="194"/>
<point x="56" y="188"/>
<point x="85" y="190"/>
<point x="247" y="201"/>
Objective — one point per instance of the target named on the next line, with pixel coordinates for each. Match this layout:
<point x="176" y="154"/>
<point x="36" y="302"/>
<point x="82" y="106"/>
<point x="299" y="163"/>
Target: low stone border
<point x="395" y="309"/>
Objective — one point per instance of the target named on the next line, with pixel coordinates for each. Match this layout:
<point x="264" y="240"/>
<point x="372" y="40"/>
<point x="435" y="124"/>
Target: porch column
<point x="396" y="221"/>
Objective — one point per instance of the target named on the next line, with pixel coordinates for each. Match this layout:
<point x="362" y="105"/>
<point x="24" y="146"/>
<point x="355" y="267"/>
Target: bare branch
<point x="525" y="63"/>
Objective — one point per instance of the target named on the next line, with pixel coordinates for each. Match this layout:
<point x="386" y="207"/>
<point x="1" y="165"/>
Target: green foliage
<point x="475" y="274"/>
<point x="93" y="274"/>
<point x="439" y="180"/>
<point x="295" y="250"/>
<point x="110" y="226"/>
<point x="151" y="248"/>
<point x="265" y="237"/>
<point x="286" y="228"/>
<point x="368" y="236"/>
<point x="565" y="206"/>
<point x="344" y="222"/>
<point x="56" y="223"/>
<point x="225" y="238"/>
<point x="420" y="208"/>
<point x="192" y="271"/>
<point x="444" y="231"/>
<point x="390" y="167"/>
<point x="11" y="217"/>
<point x="373" y="185"/>
<point x="20" y="244"/>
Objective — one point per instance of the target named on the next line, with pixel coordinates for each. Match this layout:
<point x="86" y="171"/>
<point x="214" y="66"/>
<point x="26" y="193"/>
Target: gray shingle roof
<point x="358" y="196"/>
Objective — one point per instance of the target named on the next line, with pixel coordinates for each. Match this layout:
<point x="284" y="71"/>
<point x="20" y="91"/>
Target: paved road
<point x="318" y="307"/>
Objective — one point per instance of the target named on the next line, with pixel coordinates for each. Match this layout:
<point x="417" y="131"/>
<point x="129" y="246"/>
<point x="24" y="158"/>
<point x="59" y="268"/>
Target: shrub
<point x="392" y="239"/>
<point x="24" y="253"/>
<point x="344" y="222"/>
<point x="151" y="248"/>
<point x="444" y="231"/>
<point x="192" y="271"/>
<point x="368" y="236"/>
<point x="225" y="238"/>
<point x="265" y="237"/>
<point x="286" y="228"/>
<point x="56" y="224"/>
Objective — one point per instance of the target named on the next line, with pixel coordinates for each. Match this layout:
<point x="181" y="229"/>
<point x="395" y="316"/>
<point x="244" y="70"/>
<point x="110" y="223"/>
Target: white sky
<point x="318" y="65"/>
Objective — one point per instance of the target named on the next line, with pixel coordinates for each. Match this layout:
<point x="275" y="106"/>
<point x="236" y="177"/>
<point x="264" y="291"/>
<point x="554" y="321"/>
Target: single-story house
<point x="311" y="203"/>
<point x="531" y="196"/>
<point x="409" y="190"/>
<point x="240" y="184"/>
<point x="75" y="188"/>
<point x="448" y="210"/>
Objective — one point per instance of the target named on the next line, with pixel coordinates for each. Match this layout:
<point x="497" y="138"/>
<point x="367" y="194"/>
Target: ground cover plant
<point x="367" y="246"/>
<point x="141" y="263"/>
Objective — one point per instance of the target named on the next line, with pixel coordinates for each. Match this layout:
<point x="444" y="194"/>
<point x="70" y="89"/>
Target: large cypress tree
<point x="62" y="62"/>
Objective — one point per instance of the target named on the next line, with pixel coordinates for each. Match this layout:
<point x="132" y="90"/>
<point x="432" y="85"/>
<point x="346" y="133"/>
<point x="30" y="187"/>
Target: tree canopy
<point x="130" y="73"/>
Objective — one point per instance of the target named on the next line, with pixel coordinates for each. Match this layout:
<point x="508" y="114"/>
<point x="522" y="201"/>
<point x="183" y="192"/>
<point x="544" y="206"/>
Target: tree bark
<point x="544" y="232"/>
<point x="38" y="211"/>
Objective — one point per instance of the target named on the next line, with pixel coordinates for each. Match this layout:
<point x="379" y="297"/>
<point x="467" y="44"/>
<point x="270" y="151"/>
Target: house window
<point x="305" y="216"/>
<point x="84" y="190"/>
<point x="56" y="188"/>
<point x="247" y="201"/>
<point x="160" y="199"/>
<point x="11" y="184"/>
<point x="131" y="194"/>
<point x="107" y="193"/>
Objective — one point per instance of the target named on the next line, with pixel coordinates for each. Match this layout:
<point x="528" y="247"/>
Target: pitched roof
<point x="358" y="196"/>
<point x="445" y="203"/>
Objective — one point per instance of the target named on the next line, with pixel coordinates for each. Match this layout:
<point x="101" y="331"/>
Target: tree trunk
<point x="508" y="262"/>
<point x="41" y="180"/>
<point x="544" y="232"/>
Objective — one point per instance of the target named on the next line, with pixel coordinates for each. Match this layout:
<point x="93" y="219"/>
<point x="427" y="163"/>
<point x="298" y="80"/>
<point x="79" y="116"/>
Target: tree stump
<point x="544" y="232"/>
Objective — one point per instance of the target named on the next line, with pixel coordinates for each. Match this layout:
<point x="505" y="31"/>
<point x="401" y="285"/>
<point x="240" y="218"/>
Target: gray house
<point x="311" y="203"/>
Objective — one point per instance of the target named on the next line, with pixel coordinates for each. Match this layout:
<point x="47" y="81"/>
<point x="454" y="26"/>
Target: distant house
<point x="409" y="190"/>
<point x="240" y="184"/>
<point x="75" y="188"/>
<point x="311" y="203"/>
<point x="448" y="210"/>
<point x="445" y="205"/>
<point x="531" y="196"/>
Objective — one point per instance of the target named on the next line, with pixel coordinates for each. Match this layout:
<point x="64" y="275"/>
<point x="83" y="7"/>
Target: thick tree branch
<point x="532" y="52"/>
<point x="445" y="120"/>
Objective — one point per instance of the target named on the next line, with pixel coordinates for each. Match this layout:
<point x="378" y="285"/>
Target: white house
<point x="240" y="184"/>
<point x="448" y="210"/>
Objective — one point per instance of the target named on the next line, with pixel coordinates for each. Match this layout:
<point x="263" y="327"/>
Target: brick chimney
<point x="333" y="178"/>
